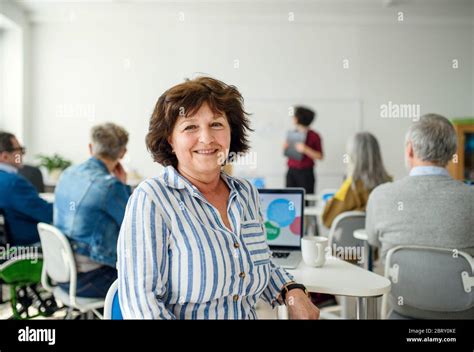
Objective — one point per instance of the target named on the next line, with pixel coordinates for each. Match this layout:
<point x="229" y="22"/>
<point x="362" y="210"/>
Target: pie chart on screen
<point x="282" y="212"/>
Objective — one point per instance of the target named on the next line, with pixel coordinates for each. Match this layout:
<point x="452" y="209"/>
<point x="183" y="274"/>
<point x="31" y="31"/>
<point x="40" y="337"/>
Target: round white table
<point x="341" y="278"/>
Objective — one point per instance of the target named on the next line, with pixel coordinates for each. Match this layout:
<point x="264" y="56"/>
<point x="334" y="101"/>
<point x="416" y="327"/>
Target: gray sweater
<point x="434" y="211"/>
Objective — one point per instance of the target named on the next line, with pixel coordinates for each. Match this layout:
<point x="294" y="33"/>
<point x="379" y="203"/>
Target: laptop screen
<point x="282" y="211"/>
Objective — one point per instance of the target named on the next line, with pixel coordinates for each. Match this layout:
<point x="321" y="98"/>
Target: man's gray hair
<point x="433" y="139"/>
<point x="108" y="140"/>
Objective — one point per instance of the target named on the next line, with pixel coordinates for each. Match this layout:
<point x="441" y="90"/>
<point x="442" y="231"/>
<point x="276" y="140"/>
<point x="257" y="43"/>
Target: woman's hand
<point x="300" y="306"/>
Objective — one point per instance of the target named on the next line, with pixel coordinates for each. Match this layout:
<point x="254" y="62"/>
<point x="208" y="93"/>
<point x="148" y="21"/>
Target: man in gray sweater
<point x="427" y="208"/>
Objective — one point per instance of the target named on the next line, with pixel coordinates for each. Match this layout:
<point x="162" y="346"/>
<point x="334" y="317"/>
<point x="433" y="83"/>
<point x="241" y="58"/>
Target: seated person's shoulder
<point x="244" y="183"/>
<point x="344" y="189"/>
<point x="245" y="186"/>
<point x="8" y="179"/>
<point x="70" y="170"/>
<point x="154" y="188"/>
<point x="387" y="189"/>
<point x="16" y="180"/>
<point x="10" y="184"/>
<point x="463" y="189"/>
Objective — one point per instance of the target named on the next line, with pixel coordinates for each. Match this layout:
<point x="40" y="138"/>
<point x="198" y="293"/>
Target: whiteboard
<point x="336" y="121"/>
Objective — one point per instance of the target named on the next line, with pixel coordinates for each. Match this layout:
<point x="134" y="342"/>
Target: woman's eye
<point x="190" y="127"/>
<point x="217" y="124"/>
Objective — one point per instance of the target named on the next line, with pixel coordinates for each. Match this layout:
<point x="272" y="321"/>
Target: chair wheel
<point x="48" y="307"/>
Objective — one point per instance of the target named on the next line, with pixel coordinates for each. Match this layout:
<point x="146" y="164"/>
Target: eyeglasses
<point x="22" y="150"/>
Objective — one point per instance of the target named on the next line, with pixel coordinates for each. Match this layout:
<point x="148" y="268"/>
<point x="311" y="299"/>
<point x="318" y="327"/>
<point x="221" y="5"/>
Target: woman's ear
<point x="169" y="140"/>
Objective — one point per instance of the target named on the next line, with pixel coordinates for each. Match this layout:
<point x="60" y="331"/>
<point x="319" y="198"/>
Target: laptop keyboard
<point x="280" y="254"/>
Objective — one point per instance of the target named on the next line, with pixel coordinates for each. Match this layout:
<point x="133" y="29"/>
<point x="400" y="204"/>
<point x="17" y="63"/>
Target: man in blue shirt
<point x="89" y="206"/>
<point x="19" y="200"/>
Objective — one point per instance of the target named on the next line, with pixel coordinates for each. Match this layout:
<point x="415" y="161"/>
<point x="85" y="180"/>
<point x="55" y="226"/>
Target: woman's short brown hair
<point x="185" y="99"/>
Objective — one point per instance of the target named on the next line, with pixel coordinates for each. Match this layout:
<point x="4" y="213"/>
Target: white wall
<point x="14" y="52"/>
<point x="13" y="82"/>
<point x="111" y="62"/>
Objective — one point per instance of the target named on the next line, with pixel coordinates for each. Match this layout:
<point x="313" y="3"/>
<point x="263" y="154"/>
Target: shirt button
<point x="242" y="275"/>
<point x="236" y="245"/>
<point x="236" y="298"/>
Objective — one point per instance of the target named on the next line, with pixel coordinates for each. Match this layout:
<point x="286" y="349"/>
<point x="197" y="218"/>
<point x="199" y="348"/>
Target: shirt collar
<point x="172" y="178"/>
<point x="429" y="171"/>
<point x="8" y="168"/>
<point x="98" y="162"/>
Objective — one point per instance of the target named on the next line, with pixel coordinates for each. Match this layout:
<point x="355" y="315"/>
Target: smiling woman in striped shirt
<point x="192" y="244"/>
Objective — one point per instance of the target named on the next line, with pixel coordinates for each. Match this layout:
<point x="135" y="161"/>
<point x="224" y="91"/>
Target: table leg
<point x="367" y="255"/>
<point x="372" y="308"/>
<point x="371" y="258"/>
<point x="361" y="308"/>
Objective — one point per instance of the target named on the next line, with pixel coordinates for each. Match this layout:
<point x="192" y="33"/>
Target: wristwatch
<point x="292" y="286"/>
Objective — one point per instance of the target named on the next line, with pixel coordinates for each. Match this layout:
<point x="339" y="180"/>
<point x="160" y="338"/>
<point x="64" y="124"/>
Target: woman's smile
<point x="207" y="152"/>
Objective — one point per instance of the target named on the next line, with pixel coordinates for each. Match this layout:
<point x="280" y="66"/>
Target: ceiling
<point x="45" y="10"/>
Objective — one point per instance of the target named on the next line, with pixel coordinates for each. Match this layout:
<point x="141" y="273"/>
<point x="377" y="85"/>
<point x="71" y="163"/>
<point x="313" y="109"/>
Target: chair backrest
<point x="427" y="279"/>
<point x="34" y="175"/>
<point x="341" y="234"/>
<point x="112" y="309"/>
<point x="59" y="263"/>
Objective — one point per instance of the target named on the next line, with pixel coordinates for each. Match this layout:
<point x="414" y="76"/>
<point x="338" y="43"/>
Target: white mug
<point x="313" y="250"/>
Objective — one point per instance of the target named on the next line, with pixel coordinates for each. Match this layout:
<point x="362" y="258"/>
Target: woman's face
<point x="201" y="142"/>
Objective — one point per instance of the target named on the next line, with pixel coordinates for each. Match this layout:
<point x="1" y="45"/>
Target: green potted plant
<point x="54" y="165"/>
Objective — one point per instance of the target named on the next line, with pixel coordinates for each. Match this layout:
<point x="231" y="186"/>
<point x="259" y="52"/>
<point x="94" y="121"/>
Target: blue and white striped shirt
<point x="176" y="258"/>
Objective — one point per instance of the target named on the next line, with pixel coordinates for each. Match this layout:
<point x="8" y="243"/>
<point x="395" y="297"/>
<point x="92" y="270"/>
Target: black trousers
<point x="304" y="178"/>
<point x="301" y="178"/>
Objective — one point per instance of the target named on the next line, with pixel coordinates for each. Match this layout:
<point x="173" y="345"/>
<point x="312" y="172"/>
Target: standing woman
<point x="192" y="244"/>
<point x="301" y="172"/>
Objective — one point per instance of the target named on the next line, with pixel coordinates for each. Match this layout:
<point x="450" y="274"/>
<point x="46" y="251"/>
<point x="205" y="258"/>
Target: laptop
<point x="283" y="214"/>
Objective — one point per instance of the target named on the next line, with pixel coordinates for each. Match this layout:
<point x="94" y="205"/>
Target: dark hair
<point x="185" y="99"/>
<point x="6" y="144"/>
<point x="304" y="116"/>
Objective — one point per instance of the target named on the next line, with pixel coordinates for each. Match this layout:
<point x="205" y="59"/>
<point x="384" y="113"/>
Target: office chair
<point x="112" y="309"/>
<point x="429" y="281"/>
<point x="60" y="266"/>
<point x="22" y="273"/>
<point x="34" y="175"/>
